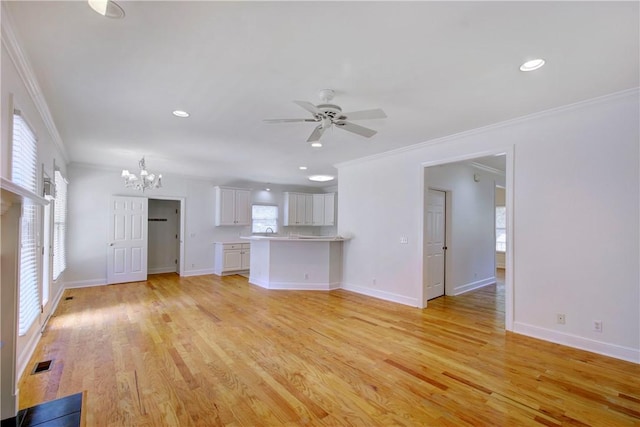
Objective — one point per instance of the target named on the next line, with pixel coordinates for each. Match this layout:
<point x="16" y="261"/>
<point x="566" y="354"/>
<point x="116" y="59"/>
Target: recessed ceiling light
<point x="107" y="8"/>
<point x="534" y="64"/>
<point x="267" y="189"/>
<point x="321" y="178"/>
<point x="316" y="144"/>
<point x="303" y="168"/>
<point x="180" y="113"/>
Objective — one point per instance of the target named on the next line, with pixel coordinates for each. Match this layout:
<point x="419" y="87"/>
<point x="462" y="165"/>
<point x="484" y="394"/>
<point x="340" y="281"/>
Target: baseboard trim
<point x="160" y="270"/>
<point x="203" y="272"/>
<point x="570" y="340"/>
<point x="295" y="286"/>
<point x="383" y="295"/>
<point x="473" y="286"/>
<point x="85" y="283"/>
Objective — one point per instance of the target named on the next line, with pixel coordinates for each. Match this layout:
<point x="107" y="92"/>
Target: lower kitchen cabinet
<point x="231" y="258"/>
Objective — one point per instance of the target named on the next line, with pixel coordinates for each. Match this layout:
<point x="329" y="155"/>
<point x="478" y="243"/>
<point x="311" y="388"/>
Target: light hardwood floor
<point x="212" y="351"/>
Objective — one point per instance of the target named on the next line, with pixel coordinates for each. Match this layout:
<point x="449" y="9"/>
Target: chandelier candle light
<point x="145" y="181"/>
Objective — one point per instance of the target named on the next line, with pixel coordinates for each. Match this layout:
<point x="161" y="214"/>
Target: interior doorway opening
<point x="471" y="259"/>
<point x="165" y="236"/>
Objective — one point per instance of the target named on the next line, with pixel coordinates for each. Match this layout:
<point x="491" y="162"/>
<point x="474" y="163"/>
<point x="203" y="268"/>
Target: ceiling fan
<point x="326" y="114"/>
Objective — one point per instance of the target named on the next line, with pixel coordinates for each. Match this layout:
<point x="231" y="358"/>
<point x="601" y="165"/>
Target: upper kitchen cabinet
<point x="309" y="209"/>
<point x="298" y="209"/>
<point x="233" y="206"/>
<point x="324" y="209"/>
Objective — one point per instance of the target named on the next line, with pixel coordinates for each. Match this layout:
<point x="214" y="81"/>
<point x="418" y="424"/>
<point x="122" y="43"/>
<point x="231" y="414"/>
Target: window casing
<point x="59" y="226"/>
<point x="24" y="159"/>
<point x="501" y="229"/>
<point x="264" y="219"/>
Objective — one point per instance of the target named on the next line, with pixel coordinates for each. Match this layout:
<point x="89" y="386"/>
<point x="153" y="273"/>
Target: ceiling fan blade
<point x="309" y="107"/>
<point x="316" y="134"/>
<point x="288" y="120"/>
<point x="352" y="127"/>
<point x="376" y="113"/>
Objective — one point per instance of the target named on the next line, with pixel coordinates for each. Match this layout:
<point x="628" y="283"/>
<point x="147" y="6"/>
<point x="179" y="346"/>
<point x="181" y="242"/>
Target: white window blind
<point x="24" y="173"/>
<point x="264" y="219"/>
<point x="59" y="226"/>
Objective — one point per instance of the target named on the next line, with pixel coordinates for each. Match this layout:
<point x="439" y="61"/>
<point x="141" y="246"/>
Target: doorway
<point x="164" y="236"/>
<point x="470" y="228"/>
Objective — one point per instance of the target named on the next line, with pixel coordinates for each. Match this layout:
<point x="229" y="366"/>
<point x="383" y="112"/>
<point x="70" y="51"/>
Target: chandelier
<point x="145" y="181"/>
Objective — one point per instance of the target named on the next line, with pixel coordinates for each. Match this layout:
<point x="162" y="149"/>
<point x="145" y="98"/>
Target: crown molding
<point x="23" y="66"/>
<point x="487" y="168"/>
<point x="499" y="125"/>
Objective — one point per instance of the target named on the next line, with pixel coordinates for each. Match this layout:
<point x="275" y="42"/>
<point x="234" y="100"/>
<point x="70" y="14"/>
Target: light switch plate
<point x="404" y="240"/>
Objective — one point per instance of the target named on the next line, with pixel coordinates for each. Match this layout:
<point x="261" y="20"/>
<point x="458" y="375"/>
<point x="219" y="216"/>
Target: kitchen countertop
<point x="297" y="238"/>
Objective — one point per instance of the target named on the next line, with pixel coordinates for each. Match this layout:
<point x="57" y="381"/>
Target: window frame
<point x="274" y="227"/>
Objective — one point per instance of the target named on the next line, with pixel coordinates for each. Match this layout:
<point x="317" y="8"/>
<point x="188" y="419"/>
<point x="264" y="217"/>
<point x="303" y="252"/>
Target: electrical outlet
<point x="306" y="276"/>
<point x="560" y="318"/>
<point x="404" y="240"/>
<point x="373" y="281"/>
<point x="597" y="325"/>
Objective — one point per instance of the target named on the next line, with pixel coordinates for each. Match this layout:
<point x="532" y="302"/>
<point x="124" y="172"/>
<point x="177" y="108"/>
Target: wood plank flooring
<point x="208" y="351"/>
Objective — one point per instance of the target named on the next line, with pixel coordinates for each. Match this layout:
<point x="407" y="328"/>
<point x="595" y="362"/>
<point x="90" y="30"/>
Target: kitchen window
<point x="264" y="219"/>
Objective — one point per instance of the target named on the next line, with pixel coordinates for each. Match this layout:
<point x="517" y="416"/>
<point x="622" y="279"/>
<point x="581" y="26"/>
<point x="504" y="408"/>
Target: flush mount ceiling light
<point x="302" y="168"/>
<point x="534" y="64"/>
<point x="316" y="144"/>
<point x="107" y="8"/>
<point x="180" y="113"/>
<point x="321" y="178"/>
<point x="145" y="181"/>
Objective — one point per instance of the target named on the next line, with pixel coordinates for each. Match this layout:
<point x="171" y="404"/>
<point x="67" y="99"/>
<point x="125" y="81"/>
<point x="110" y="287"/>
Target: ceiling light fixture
<point x="316" y="144"/>
<point x="303" y="168"/>
<point x="145" y="181"/>
<point x="180" y="113"/>
<point x="321" y="178"/>
<point x="534" y="64"/>
<point x="107" y="8"/>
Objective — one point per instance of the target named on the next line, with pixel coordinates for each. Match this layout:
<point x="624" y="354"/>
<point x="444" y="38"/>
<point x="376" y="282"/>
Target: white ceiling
<point x="436" y="68"/>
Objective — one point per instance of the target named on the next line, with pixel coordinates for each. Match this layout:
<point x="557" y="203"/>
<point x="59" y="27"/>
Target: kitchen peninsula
<point x="302" y="263"/>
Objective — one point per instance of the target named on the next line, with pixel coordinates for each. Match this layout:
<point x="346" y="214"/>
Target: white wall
<point x="575" y="220"/>
<point x="470" y="256"/>
<point x="90" y="189"/>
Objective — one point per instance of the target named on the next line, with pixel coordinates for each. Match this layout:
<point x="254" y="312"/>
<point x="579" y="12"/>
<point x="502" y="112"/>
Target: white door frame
<point x="509" y="286"/>
<point x="182" y="201"/>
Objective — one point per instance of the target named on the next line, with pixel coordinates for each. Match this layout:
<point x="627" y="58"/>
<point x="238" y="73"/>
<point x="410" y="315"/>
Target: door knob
<point x="110" y="244"/>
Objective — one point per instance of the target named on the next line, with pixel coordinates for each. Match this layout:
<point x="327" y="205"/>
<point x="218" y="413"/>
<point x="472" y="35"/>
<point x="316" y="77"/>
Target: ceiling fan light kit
<point x="107" y="8"/>
<point x="327" y="114"/>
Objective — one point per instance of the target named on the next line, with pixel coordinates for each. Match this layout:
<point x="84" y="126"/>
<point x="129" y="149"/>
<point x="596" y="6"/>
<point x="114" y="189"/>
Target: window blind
<point x="60" y="226"/>
<point x="24" y="173"/>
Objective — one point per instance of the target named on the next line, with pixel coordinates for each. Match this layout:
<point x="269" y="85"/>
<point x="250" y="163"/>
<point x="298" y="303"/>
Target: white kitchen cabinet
<point x="309" y="209"/>
<point x="233" y="206"/>
<point x="231" y="258"/>
<point x="318" y="209"/>
<point x="329" y="208"/>
<point x="324" y="209"/>
<point x="295" y="209"/>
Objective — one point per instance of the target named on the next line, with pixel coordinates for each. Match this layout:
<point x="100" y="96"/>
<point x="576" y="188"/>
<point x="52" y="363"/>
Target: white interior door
<point x="435" y="243"/>
<point x="127" y="253"/>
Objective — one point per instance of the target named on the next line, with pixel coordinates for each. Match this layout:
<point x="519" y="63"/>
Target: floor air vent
<point x="68" y="298"/>
<point x="42" y="367"/>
